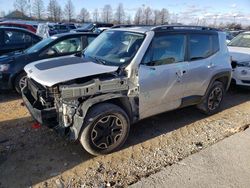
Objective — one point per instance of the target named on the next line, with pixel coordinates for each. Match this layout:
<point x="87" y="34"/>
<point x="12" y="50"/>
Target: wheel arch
<point x="121" y="101"/>
<point x="14" y="77"/>
<point x="124" y="102"/>
<point x="224" y="77"/>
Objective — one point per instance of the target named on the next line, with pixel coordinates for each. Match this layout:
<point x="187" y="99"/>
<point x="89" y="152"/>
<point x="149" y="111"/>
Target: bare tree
<point x="84" y="15"/>
<point x="95" y="15"/>
<point x="128" y="20"/>
<point x="50" y="9"/>
<point x="164" y="16"/>
<point x="54" y="11"/>
<point x="120" y="14"/>
<point x="21" y="5"/>
<point x="2" y="14"/>
<point x="138" y="16"/>
<point x="69" y="10"/>
<point x="58" y="13"/>
<point x="156" y="19"/>
<point x="107" y="13"/>
<point x="38" y="9"/>
<point x="148" y="16"/>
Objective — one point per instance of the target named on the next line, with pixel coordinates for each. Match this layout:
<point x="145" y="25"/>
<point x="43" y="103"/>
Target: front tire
<point x="20" y="82"/>
<point x="212" y="101"/>
<point x="106" y="128"/>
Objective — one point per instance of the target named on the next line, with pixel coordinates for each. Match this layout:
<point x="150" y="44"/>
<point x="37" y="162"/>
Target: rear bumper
<point x="47" y="116"/>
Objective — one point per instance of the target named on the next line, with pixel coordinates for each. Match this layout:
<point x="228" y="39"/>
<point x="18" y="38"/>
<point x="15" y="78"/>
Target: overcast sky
<point x="185" y="11"/>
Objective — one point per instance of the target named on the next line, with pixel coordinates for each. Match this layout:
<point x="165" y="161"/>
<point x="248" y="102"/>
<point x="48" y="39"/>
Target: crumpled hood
<point x="239" y="54"/>
<point x="49" y="72"/>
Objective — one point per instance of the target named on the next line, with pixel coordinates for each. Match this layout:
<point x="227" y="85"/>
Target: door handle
<point x="211" y="65"/>
<point x="180" y="73"/>
<point x="152" y="68"/>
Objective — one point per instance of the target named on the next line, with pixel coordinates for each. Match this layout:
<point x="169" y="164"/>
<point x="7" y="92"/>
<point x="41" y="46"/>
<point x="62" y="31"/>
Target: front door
<point x="161" y="75"/>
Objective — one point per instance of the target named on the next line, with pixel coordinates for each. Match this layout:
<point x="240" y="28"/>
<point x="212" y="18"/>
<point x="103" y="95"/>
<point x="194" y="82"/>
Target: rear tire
<point x="20" y="82"/>
<point x="212" y="101"/>
<point x="105" y="129"/>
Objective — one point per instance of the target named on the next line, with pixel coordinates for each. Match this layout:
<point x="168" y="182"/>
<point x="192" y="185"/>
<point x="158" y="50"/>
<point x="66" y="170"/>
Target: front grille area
<point x="34" y="89"/>
<point x="246" y="81"/>
<point x="44" y="96"/>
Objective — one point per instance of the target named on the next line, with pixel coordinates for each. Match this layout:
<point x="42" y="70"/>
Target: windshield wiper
<point x="101" y="61"/>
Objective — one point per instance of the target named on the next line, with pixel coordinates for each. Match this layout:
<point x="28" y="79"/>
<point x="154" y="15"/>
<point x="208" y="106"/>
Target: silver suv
<point x="126" y="75"/>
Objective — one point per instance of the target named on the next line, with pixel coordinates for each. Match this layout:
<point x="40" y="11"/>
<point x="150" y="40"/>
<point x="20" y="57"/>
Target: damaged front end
<point x="64" y="107"/>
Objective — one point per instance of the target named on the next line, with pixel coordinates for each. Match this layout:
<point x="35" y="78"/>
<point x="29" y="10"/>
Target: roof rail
<point x="130" y="25"/>
<point x="173" y="27"/>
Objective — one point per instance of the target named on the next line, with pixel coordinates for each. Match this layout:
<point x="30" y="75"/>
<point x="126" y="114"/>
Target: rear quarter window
<point x="202" y="46"/>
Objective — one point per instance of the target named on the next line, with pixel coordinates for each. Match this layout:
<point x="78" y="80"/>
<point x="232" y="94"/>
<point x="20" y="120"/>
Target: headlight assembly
<point x="244" y="64"/>
<point x="4" y="67"/>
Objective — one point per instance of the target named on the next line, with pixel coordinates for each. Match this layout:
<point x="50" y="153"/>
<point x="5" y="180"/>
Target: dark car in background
<point x="70" y="26"/>
<point x="29" y="27"/>
<point x="92" y="27"/>
<point x="13" y="39"/>
<point x="12" y="75"/>
<point x="61" y="28"/>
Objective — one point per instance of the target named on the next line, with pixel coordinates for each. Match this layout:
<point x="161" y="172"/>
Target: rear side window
<point x="15" y="37"/>
<point x="202" y="46"/>
<point x="166" y="49"/>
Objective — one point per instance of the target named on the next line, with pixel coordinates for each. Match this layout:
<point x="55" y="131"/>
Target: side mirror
<point x="78" y="54"/>
<point x="50" y="52"/>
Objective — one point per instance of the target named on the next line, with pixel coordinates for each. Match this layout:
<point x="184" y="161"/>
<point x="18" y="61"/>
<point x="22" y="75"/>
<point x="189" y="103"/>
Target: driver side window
<point x="166" y="49"/>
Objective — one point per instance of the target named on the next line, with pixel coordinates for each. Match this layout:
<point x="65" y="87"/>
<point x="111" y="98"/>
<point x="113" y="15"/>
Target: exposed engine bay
<point x="71" y="100"/>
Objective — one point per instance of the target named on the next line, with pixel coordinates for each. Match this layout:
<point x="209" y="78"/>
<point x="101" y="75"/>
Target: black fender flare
<point x="79" y="118"/>
<point x="227" y="74"/>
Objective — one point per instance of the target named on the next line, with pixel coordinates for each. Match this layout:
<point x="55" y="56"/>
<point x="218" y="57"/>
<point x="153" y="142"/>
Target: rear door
<point x="202" y="48"/>
<point x="161" y="74"/>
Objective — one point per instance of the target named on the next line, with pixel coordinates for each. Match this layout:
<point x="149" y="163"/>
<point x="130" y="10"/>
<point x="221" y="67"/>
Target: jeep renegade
<point x="125" y="75"/>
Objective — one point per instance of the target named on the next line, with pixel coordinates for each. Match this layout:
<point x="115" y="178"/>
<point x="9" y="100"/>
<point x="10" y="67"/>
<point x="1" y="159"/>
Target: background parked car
<point x="92" y="27"/>
<point x="12" y="75"/>
<point x="61" y="28"/>
<point x="19" y="25"/>
<point x="239" y="49"/>
<point x="229" y="36"/>
<point x="13" y="39"/>
<point x="70" y="26"/>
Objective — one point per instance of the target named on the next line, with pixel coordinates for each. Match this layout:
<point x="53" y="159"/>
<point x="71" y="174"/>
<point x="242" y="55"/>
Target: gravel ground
<point x="38" y="157"/>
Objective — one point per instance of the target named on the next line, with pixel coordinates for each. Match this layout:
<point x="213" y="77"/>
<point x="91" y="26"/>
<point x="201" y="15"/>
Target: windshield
<point x="242" y="40"/>
<point x="40" y="45"/>
<point x="114" y="47"/>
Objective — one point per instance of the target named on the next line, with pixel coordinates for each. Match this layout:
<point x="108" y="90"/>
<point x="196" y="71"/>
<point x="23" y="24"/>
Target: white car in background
<point x="239" y="49"/>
